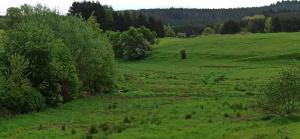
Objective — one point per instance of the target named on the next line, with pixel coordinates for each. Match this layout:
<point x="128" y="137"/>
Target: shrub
<point x="115" y="40"/>
<point x="231" y="27"/>
<point x="63" y="127"/>
<point x="64" y="53"/>
<point x="226" y="115"/>
<point x="208" y="31"/>
<point x="281" y="95"/>
<point x="126" y="120"/>
<point x="134" y="44"/>
<point x="188" y="116"/>
<point x="16" y="93"/>
<point x="183" y="54"/>
<point x="73" y="131"/>
<point x="89" y="136"/>
<point x="51" y="66"/>
<point x="169" y="31"/>
<point x="149" y="35"/>
<point x="93" y="130"/>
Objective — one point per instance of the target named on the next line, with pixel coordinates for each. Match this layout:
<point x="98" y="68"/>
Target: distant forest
<point x="192" y="21"/>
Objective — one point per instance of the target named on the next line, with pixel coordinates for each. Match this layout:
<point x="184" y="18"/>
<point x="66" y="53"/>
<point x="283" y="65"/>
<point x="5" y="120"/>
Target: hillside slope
<point x="209" y="95"/>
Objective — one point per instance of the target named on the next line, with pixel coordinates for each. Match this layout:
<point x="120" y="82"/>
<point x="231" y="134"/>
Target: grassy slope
<point x="215" y="85"/>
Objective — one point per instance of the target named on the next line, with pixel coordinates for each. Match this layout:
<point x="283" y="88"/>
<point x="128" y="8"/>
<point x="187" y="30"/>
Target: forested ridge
<point x="196" y="19"/>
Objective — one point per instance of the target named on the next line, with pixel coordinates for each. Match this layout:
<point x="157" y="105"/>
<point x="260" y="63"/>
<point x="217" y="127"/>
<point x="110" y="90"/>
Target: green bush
<point x="169" y="31"/>
<point x="16" y="93"/>
<point x="63" y="53"/>
<point x="281" y="95"/>
<point x="208" y="31"/>
<point x="183" y="54"/>
<point x="115" y="40"/>
<point x="134" y="44"/>
<point x="51" y="65"/>
<point x="149" y="35"/>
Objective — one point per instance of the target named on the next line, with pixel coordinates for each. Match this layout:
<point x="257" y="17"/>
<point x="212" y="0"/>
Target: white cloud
<point x="63" y="5"/>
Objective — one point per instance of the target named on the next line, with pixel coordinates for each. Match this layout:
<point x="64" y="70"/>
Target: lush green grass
<point x="209" y="95"/>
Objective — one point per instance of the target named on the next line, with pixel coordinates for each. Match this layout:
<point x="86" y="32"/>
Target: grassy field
<point x="210" y="95"/>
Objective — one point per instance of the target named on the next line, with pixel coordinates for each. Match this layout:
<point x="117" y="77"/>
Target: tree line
<point x="47" y="59"/>
<point x="192" y="21"/>
<point x="281" y="22"/>
<point x="109" y="19"/>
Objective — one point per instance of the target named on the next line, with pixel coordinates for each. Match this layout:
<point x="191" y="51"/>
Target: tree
<point x="208" y="31"/>
<point x="218" y="28"/>
<point x="231" y="27"/>
<point x="50" y="60"/>
<point x="149" y="35"/>
<point x="115" y="40"/>
<point x="63" y="52"/>
<point x="254" y="24"/>
<point x="92" y="22"/>
<point x="276" y="24"/>
<point x="268" y="25"/>
<point x="142" y="21"/>
<point x="169" y="31"/>
<point x="16" y="93"/>
<point x="132" y="44"/>
<point x="281" y="95"/>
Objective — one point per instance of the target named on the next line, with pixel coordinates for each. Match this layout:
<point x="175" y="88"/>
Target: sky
<point x="63" y="5"/>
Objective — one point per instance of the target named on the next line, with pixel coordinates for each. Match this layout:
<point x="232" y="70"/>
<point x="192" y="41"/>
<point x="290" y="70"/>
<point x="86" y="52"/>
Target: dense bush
<point x="183" y="54"/>
<point x="231" y="27"/>
<point x="268" y="25"/>
<point x="169" y="31"/>
<point x="115" y="40"/>
<point x="16" y="93"/>
<point x="149" y="35"/>
<point x="132" y="44"/>
<point x="208" y="31"/>
<point x="281" y="95"/>
<point x="65" y="56"/>
<point x="254" y="24"/>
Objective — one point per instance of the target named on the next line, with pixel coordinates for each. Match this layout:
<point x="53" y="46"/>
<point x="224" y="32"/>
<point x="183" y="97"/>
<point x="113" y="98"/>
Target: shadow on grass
<point x="286" y="119"/>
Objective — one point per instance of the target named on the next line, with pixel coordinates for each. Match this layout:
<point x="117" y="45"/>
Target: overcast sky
<point x="63" y="5"/>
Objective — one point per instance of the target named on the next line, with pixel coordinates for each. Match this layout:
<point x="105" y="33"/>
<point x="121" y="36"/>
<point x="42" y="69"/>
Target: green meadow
<point x="210" y="95"/>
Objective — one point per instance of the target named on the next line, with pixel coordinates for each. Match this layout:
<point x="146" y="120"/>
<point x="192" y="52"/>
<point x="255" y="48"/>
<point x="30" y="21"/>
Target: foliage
<point x="16" y="93"/>
<point x="63" y="53"/>
<point x="163" y="88"/>
<point x="183" y="54"/>
<point x="134" y="44"/>
<point x="254" y="24"/>
<point x="286" y="22"/>
<point x="115" y="20"/>
<point x="231" y="27"/>
<point x="149" y="35"/>
<point x="51" y="66"/>
<point x="281" y="94"/>
<point x="169" y="31"/>
<point x="115" y="40"/>
<point x="218" y="28"/>
<point x="208" y="31"/>
<point x="268" y="25"/>
<point x="92" y="22"/>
